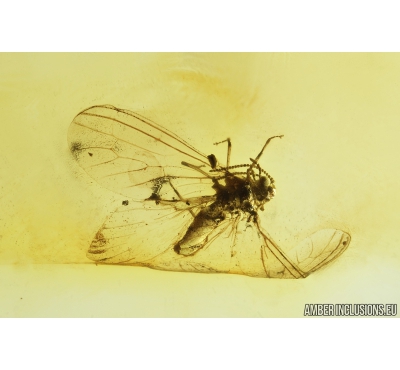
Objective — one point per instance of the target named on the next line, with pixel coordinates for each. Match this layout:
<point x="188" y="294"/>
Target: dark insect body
<point x="190" y="213"/>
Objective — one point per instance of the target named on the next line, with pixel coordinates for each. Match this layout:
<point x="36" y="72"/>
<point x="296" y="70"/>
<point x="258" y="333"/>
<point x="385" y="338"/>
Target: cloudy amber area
<point x="336" y="167"/>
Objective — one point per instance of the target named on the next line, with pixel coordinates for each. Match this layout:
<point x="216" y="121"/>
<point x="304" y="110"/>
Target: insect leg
<point x="228" y="156"/>
<point x="193" y="167"/>
<point x="180" y="197"/>
<point x="278" y="253"/>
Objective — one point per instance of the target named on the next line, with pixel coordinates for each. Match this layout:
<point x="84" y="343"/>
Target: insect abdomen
<point x="198" y="232"/>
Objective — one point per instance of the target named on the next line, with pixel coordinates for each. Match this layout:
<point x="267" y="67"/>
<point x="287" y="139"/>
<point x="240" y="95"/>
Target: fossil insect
<point x="186" y="211"/>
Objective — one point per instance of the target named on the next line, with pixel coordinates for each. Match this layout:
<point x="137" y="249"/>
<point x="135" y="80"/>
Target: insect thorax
<point x="244" y="191"/>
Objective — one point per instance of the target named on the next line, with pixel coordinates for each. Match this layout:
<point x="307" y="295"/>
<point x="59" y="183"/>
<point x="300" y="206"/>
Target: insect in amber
<point x="185" y="211"/>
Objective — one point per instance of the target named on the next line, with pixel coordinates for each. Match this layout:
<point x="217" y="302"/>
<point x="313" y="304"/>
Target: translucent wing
<point x="319" y="249"/>
<point x="134" y="235"/>
<point x="235" y="245"/>
<point x="146" y="237"/>
<point x="134" y="156"/>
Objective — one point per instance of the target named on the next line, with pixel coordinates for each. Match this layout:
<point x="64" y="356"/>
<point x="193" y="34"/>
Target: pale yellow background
<point x="337" y="166"/>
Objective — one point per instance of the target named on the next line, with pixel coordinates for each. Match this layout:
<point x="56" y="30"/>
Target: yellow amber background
<point x="337" y="166"/>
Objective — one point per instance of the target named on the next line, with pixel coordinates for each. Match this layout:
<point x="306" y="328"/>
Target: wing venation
<point x="127" y="153"/>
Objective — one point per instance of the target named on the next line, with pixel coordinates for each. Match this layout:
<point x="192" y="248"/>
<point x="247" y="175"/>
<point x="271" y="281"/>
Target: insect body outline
<point x="209" y="212"/>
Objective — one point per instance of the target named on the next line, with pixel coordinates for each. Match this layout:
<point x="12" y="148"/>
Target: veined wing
<point x="139" y="232"/>
<point x="237" y="246"/>
<point x="146" y="237"/>
<point x="129" y="154"/>
<point x="319" y="249"/>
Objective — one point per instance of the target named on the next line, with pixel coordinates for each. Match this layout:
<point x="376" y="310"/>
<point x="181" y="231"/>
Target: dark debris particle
<point x="76" y="148"/>
<point x="125" y="202"/>
<point x="91" y="154"/>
